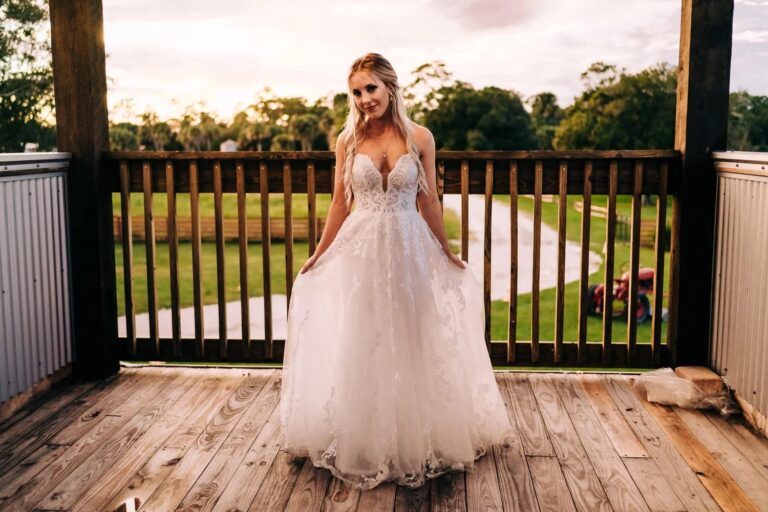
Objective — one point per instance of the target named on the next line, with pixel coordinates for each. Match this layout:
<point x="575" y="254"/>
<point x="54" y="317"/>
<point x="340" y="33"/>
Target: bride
<point x="386" y="376"/>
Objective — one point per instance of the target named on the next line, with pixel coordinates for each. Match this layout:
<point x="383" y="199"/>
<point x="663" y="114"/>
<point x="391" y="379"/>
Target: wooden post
<point x="80" y="87"/>
<point x="700" y="128"/>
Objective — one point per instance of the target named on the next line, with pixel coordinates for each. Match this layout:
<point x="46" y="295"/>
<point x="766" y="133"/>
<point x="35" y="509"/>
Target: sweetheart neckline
<point x="381" y="175"/>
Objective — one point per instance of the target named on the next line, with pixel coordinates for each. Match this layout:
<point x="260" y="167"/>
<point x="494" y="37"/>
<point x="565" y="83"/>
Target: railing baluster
<point x="311" y="207"/>
<point x="266" y="241"/>
<point x="658" y="272"/>
<point x="127" y="241"/>
<point x="173" y="258"/>
<point x="220" y="263"/>
<point x="487" y="239"/>
<point x="610" y="239"/>
<point x="465" y="210"/>
<point x="288" y="209"/>
<point x="536" y="274"/>
<point x="242" y="242"/>
<point x="149" y="241"/>
<point x="674" y="265"/>
<point x="440" y="181"/>
<point x="560" y="292"/>
<point x="586" y="219"/>
<point x="512" y="327"/>
<point x="634" y="263"/>
<point x="197" y="292"/>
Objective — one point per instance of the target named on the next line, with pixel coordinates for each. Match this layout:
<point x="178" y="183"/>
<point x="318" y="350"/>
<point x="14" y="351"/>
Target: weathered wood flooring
<point x="162" y="439"/>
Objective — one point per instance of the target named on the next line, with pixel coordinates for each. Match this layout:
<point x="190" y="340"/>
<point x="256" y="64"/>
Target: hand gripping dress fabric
<point x="386" y="376"/>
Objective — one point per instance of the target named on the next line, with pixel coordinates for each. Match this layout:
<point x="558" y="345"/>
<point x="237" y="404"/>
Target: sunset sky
<point x="166" y="55"/>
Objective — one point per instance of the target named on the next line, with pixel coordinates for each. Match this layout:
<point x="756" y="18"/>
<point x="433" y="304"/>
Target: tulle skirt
<point x="386" y="375"/>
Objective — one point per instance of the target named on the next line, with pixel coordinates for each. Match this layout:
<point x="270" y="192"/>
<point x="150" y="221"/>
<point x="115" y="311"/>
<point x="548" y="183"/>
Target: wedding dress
<point x="386" y="376"/>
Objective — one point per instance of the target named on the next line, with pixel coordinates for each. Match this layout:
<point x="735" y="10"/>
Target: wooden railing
<point x="581" y="173"/>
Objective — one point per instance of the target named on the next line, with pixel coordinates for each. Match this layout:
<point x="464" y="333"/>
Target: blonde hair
<point x="354" y="127"/>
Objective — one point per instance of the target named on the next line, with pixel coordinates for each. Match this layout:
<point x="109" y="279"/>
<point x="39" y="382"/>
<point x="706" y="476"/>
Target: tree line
<point x="615" y="110"/>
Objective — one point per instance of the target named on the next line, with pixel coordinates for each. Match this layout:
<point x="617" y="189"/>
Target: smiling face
<point x="371" y="95"/>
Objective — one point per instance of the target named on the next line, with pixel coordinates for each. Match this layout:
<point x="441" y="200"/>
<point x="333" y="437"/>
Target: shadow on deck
<point x="165" y="439"/>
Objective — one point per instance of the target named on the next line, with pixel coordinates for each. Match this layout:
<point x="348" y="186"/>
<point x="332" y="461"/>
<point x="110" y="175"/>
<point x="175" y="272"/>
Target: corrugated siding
<point x="35" y="327"/>
<point x="740" y="302"/>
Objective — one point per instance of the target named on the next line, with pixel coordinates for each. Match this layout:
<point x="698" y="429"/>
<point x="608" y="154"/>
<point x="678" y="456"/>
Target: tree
<point x="123" y="137"/>
<point x="305" y="128"/>
<point x="546" y="115"/>
<point x="619" y="110"/>
<point x="423" y="93"/>
<point x="486" y="119"/>
<point x="26" y="76"/>
<point x="747" y="122"/>
<point x="153" y="133"/>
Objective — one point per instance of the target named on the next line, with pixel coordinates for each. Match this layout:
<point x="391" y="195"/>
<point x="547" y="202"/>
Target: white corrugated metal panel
<point x="740" y="302"/>
<point x="35" y="327"/>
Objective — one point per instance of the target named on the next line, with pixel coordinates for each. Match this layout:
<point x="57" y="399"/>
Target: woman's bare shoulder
<point x="422" y="136"/>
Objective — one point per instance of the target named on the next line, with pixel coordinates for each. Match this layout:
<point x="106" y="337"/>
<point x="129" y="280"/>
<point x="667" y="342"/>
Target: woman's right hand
<point x="309" y="263"/>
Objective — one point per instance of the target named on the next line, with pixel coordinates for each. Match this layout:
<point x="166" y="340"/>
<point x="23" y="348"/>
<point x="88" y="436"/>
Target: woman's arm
<point x="338" y="211"/>
<point x="429" y="204"/>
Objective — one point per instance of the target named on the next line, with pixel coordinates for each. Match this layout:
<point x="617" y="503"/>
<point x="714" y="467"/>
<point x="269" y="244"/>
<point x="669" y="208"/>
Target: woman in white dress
<point x="386" y="376"/>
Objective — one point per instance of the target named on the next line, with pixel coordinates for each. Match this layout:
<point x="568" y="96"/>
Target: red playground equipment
<point x="596" y="294"/>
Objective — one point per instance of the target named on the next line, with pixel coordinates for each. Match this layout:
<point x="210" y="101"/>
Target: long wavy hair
<point x="354" y="127"/>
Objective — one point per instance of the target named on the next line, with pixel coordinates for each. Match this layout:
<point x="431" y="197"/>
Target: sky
<point x="167" y="55"/>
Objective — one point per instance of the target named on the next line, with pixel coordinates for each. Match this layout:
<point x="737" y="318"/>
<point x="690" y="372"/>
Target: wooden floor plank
<point x="276" y="489"/>
<point x="12" y="482"/>
<point x="751" y="446"/>
<point x="341" y="497"/>
<point x="252" y="471"/>
<point x="134" y="426"/>
<point x="617" y="482"/>
<point x="515" y="483"/>
<point x="618" y="431"/>
<point x="140" y="484"/>
<point x="740" y="468"/>
<point x="36" y="488"/>
<point x="193" y="404"/>
<point x="37" y="412"/>
<point x="724" y="489"/>
<point x="681" y="478"/>
<point x="380" y="499"/>
<point x="132" y="389"/>
<point x="552" y="494"/>
<point x="28" y="441"/>
<point x="308" y="494"/>
<point x="183" y="475"/>
<point x="653" y="485"/>
<point x="448" y="492"/>
<point x="413" y="500"/>
<point x="586" y="491"/>
<point x="483" y="485"/>
<point x="127" y="442"/>
<point x="219" y="470"/>
<point x="529" y="422"/>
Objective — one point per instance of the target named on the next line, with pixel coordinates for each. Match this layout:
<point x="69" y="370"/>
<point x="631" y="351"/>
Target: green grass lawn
<point x="499" y="309"/>
<point x="549" y="215"/>
<point x="231" y="253"/>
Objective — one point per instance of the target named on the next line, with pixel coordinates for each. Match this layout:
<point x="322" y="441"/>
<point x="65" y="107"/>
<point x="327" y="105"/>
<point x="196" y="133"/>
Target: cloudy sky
<point x="170" y="54"/>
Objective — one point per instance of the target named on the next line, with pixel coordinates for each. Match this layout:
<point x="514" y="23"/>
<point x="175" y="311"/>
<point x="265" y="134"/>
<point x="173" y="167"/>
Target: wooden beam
<point x="80" y="87"/>
<point x="700" y="128"/>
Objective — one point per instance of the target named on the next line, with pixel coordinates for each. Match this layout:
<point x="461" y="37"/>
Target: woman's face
<point x="371" y="96"/>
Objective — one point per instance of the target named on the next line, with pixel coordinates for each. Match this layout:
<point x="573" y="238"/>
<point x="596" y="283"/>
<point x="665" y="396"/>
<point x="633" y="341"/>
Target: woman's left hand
<point x="455" y="259"/>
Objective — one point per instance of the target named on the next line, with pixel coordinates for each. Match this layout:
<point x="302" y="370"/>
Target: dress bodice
<point x="368" y="185"/>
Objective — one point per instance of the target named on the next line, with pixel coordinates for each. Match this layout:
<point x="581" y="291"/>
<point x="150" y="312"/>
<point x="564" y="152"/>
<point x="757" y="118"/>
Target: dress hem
<point x="410" y="480"/>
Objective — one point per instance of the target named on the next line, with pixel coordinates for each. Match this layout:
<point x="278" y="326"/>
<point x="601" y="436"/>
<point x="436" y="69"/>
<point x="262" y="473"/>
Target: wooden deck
<point x="161" y="439"/>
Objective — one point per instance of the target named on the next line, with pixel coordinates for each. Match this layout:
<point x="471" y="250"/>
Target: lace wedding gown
<point x="386" y="375"/>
